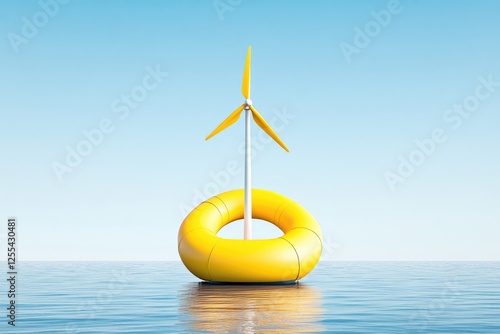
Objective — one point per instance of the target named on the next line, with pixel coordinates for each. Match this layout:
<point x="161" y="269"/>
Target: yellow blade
<point x="230" y="120"/>
<point x="245" y="88"/>
<point x="264" y="126"/>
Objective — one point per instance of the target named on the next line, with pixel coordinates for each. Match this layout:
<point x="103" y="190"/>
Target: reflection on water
<point x="251" y="308"/>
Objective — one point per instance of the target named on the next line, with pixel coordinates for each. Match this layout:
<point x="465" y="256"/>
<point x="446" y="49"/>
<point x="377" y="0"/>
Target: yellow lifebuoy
<point x="286" y="258"/>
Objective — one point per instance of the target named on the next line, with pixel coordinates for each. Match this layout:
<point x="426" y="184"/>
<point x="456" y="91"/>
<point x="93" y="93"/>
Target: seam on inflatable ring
<point x="284" y="203"/>
<point x="220" y="214"/>
<point x="194" y="229"/>
<point x="227" y="210"/>
<point x="298" y="258"/>
<point x="281" y="214"/>
<point x="320" y="241"/>
<point x="285" y="200"/>
<point x="210" y="258"/>
<point x="306" y="228"/>
<point x="217" y="241"/>
<point x="203" y="228"/>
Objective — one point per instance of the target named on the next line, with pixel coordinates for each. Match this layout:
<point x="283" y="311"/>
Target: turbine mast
<point x="247" y="219"/>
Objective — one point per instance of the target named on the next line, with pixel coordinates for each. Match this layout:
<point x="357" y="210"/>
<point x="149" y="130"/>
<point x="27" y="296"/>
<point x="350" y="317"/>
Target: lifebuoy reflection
<point x="252" y="308"/>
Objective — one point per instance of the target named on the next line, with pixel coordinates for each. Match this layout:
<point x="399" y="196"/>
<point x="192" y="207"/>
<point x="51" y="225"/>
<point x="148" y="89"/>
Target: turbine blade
<point x="264" y="126"/>
<point x="245" y="88"/>
<point x="230" y="120"/>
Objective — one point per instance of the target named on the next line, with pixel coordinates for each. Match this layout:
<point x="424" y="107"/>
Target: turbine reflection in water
<point x="252" y="308"/>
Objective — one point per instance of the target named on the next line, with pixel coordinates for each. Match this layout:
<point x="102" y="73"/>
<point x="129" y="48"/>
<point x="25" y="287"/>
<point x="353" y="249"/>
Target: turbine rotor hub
<point x="248" y="103"/>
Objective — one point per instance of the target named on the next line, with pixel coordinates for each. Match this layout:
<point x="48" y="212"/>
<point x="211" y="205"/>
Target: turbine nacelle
<point x="247" y="103"/>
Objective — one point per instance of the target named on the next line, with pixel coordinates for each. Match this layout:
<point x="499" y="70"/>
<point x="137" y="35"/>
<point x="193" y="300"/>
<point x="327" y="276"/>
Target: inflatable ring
<point x="283" y="259"/>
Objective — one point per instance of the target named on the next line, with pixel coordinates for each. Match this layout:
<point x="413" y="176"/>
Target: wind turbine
<point x="261" y="122"/>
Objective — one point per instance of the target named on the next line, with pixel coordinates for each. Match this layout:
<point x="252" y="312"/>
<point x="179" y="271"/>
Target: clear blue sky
<point x="353" y="117"/>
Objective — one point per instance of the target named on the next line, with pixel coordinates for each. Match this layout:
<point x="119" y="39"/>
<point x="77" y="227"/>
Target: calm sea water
<point x="162" y="297"/>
